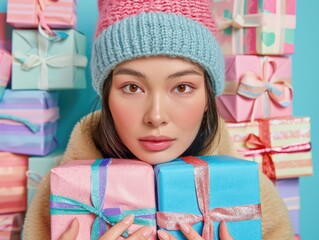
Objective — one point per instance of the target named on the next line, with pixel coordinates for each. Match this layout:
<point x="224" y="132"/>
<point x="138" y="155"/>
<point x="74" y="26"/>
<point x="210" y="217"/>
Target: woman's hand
<point x="113" y="233"/>
<point x="191" y="234"/>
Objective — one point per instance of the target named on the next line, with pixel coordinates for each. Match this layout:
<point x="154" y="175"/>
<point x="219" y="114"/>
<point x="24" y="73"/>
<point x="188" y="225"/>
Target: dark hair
<point x="109" y="143"/>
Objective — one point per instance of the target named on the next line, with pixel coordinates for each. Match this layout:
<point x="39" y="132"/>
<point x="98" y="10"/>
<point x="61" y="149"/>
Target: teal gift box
<point x="37" y="168"/>
<point x="203" y="191"/>
<point x="38" y="63"/>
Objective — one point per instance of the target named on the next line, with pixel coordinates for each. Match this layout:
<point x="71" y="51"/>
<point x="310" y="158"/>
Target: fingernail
<point x="162" y="235"/>
<point x="148" y="232"/>
<point x="224" y="223"/>
<point x="185" y="228"/>
<point x="129" y="219"/>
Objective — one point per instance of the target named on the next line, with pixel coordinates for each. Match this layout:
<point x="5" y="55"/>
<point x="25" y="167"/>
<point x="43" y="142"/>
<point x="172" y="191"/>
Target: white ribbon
<point x="29" y="61"/>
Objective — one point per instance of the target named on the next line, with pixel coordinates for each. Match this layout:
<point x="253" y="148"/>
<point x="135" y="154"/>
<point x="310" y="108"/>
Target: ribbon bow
<point x="64" y="205"/>
<point x="254" y="86"/>
<point x="29" y="61"/>
<point x="257" y="146"/>
<point x="240" y="21"/>
<point x="171" y="221"/>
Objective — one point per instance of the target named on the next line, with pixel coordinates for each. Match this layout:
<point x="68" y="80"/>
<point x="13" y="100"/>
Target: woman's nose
<point x="156" y="112"/>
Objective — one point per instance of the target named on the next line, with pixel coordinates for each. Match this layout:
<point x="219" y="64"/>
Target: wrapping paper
<point x="11" y="226"/>
<point x="28" y="122"/>
<point x="112" y="188"/>
<point x="284" y="147"/>
<point x="13" y="182"/>
<point x="31" y="13"/>
<point x="41" y="64"/>
<point x="37" y="168"/>
<point x="5" y="70"/>
<point x="225" y="173"/>
<point x="256" y="88"/>
<point x="256" y="26"/>
<point x="288" y="189"/>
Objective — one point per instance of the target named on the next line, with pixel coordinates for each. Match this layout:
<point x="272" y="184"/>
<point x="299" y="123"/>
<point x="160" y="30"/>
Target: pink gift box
<point x="256" y="88"/>
<point x="256" y="27"/>
<point x="285" y="142"/>
<point x="119" y="187"/>
<point x="11" y="226"/>
<point x="56" y="14"/>
<point x="13" y="180"/>
<point x="5" y="70"/>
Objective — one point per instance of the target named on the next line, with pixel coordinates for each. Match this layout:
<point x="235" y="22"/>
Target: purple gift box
<point x="28" y="122"/>
<point x="289" y="191"/>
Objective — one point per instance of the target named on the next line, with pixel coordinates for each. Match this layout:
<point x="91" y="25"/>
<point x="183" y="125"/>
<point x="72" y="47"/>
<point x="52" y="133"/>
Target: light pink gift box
<point x="256" y="88"/>
<point x="55" y="13"/>
<point x="255" y="27"/>
<point x="13" y="181"/>
<point x="129" y="186"/>
<point x="11" y="226"/>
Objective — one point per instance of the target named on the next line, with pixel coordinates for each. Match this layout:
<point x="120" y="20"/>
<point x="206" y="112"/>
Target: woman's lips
<point x="156" y="143"/>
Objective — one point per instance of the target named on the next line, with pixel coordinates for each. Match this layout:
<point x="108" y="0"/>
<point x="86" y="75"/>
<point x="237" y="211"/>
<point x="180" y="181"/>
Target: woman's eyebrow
<point x="128" y="71"/>
<point x="184" y="73"/>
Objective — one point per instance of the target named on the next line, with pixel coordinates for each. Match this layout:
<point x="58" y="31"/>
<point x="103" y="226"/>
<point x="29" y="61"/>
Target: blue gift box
<point x="233" y="183"/>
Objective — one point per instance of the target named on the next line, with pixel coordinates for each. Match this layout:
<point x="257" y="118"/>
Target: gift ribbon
<point x="65" y="206"/>
<point x="44" y="29"/>
<point x="239" y="21"/>
<point x="35" y="178"/>
<point x="6" y="225"/>
<point x="33" y="127"/>
<point x="264" y="87"/>
<point x="172" y="221"/>
<point x="261" y="145"/>
<point x="29" y="61"/>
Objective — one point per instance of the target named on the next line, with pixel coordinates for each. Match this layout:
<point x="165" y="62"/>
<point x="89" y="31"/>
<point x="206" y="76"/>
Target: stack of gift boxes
<point x="46" y="55"/>
<point x="257" y="39"/>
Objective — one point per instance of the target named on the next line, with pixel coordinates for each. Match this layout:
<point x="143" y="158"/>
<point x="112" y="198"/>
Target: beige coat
<point x="275" y="219"/>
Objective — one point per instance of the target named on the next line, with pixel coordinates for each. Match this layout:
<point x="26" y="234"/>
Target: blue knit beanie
<point x="129" y="29"/>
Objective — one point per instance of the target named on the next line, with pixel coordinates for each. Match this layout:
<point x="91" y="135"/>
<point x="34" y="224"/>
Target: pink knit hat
<point x="128" y="29"/>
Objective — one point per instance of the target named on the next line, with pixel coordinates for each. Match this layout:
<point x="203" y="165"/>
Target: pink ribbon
<point x="261" y="145"/>
<point x="256" y="86"/>
<point x="172" y="221"/>
<point x="7" y="224"/>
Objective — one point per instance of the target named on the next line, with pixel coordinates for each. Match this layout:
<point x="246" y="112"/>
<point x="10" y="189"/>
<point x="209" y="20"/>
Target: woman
<point x="157" y="68"/>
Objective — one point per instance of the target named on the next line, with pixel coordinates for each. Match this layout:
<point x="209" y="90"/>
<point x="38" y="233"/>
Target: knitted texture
<point x="129" y="29"/>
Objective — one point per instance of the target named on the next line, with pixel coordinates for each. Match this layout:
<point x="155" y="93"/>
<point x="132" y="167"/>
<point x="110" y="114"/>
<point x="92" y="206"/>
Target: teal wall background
<point x="77" y="103"/>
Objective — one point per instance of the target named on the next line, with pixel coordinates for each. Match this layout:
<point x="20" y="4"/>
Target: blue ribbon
<point x="60" y="205"/>
<point x="33" y="127"/>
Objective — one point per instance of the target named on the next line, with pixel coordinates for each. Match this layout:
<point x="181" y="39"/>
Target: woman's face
<point x="157" y="105"/>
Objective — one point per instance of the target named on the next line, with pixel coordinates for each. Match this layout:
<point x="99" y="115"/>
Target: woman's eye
<point x="183" y="88"/>
<point x="132" y="88"/>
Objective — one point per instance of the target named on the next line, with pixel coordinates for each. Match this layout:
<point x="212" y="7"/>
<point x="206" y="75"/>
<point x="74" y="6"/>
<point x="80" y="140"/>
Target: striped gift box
<point x="11" y="226"/>
<point x="284" y="141"/>
<point x="13" y="181"/>
<point x="288" y="189"/>
<point x="255" y="26"/>
<point x="56" y="14"/>
<point x="28" y="122"/>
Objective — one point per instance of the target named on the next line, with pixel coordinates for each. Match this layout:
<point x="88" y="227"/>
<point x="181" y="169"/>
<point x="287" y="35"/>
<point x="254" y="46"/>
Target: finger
<point x="72" y="232"/>
<point x="116" y="231"/>
<point x="223" y="232"/>
<point x="165" y="236"/>
<point x="189" y="232"/>
<point x="142" y="233"/>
